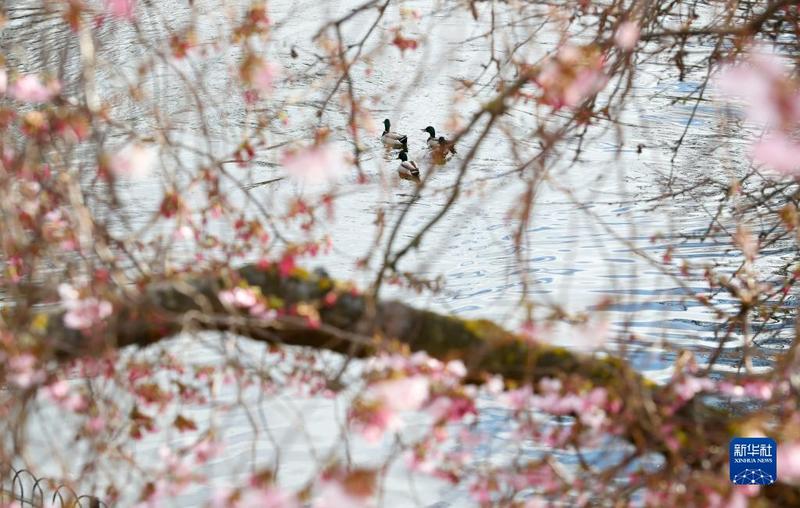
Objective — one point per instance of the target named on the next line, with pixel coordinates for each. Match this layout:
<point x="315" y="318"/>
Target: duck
<point x="407" y="169"/>
<point x="393" y="139"/>
<point x="440" y="143"/>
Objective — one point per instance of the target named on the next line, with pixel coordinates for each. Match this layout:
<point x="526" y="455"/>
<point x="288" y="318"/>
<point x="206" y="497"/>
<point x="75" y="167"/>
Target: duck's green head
<point x="403" y="157"/>
<point x="430" y="130"/>
<point x="386" y="125"/>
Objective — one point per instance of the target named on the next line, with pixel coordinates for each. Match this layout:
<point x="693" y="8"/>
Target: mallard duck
<point x="439" y="143"/>
<point x="393" y="139"/>
<point x="407" y="169"/>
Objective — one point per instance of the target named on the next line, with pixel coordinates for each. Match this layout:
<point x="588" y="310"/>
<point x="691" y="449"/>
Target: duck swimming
<point x="407" y="169"/>
<point x="393" y="139"/>
<point x="439" y="143"/>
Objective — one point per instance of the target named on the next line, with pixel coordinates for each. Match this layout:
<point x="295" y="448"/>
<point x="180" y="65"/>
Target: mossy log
<point x="349" y="323"/>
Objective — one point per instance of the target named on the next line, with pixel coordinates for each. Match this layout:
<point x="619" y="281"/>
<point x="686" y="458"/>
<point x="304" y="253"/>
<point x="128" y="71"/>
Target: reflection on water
<point x="604" y="246"/>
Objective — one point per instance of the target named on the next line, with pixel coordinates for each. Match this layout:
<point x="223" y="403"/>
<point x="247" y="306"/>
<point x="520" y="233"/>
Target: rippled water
<point x="581" y="250"/>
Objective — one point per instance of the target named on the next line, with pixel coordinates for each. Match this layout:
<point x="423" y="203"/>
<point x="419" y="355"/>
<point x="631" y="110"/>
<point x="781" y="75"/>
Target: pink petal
<point x="134" y="161"/>
<point x="627" y="35"/>
<point x="778" y="152"/>
<point x="406" y="394"/>
<point x="587" y="83"/>
<point x="122" y="9"/>
<point x="314" y="164"/>
<point x="30" y="89"/>
<point x="264" y="74"/>
<point x="67" y="293"/>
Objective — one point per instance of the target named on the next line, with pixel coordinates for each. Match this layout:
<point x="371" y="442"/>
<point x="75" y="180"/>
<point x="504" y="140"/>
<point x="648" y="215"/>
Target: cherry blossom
<point x="318" y="163"/>
<point x="263" y="75"/>
<point x="788" y="459"/>
<point x="627" y="35"/>
<point x="135" y="161"/>
<point x="779" y="152"/>
<point x="758" y="389"/>
<point x="772" y="99"/>
<point x="23" y="372"/>
<point x="82" y="313"/>
<point x="60" y="393"/>
<point x="56" y="229"/>
<point x="761" y="82"/>
<point x="95" y="425"/>
<point x="206" y="449"/>
<point x="29" y="88"/>
<point x="572" y="76"/>
<point x="239" y="297"/>
<point x="407" y="394"/>
<point x="690" y="386"/>
<point x="122" y="9"/>
<point x="378" y="410"/>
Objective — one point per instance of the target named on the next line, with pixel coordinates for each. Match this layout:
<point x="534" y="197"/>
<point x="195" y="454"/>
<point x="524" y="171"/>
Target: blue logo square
<point x="753" y="460"/>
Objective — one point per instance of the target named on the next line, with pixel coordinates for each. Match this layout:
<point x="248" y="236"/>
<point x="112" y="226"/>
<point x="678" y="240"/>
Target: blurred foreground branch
<point x="321" y="313"/>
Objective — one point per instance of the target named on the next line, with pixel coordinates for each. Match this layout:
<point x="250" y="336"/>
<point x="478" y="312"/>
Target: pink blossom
<point x="59" y="393"/>
<point x="451" y="409"/>
<point x="206" y="449"/>
<point x="317" y="163"/>
<point x="788" y="459"/>
<point x="263" y="75"/>
<point x="261" y="311"/>
<point x="134" y="161"/>
<point x="29" y="88"/>
<point x="586" y="83"/>
<point x="82" y="313"/>
<point x="95" y="424"/>
<point x="589" y="406"/>
<point x="22" y="371"/>
<point x="75" y="402"/>
<point x="481" y="491"/>
<point x="690" y="386"/>
<point x="518" y="399"/>
<point x="759" y="389"/>
<point x="495" y="385"/>
<point x="406" y="394"/>
<point x="550" y="385"/>
<point x="3" y="81"/>
<point x="572" y="76"/>
<point x="456" y="368"/>
<point x="594" y="418"/>
<point x="385" y="400"/>
<point x="184" y="232"/>
<point x="122" y="9"/>
<point x="376" y="422"/>
<point x="56" y="229"/>
<point x="239" y="297"/>
<point x="58" y="390"/>
<point x="760" y="81"/>
<point x="627" y="35"/>
<point x="778" y="152"/>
